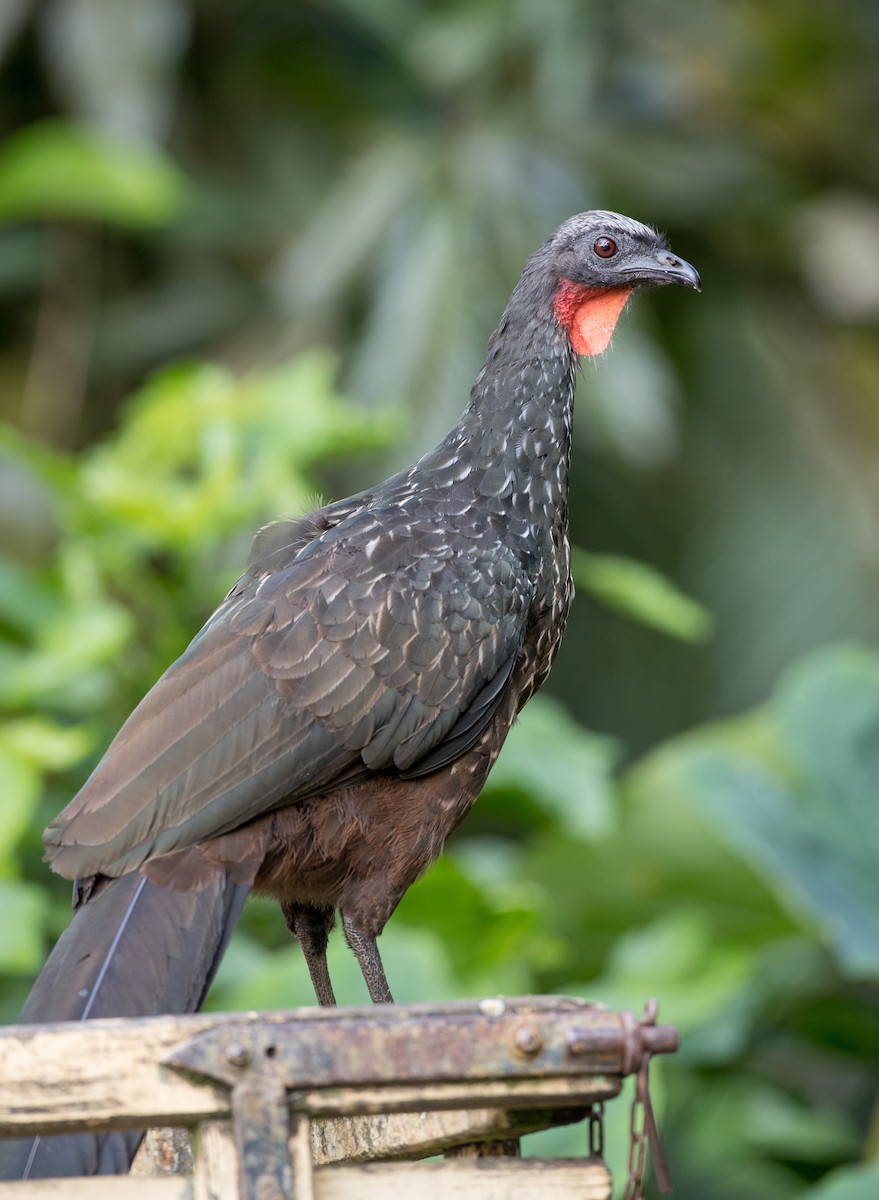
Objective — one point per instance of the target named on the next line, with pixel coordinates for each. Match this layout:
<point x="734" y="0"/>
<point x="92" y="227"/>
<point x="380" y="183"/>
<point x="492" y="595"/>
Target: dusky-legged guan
<point x="337" y="716"/>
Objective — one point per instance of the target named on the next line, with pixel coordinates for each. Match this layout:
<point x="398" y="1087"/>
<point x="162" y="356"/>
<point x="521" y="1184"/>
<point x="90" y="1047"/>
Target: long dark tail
<point x="134" y="949"/>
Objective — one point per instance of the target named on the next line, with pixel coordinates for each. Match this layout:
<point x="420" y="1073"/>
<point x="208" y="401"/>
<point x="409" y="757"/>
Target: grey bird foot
<point x="311" y="927"/>
<point x="366" y="952"/>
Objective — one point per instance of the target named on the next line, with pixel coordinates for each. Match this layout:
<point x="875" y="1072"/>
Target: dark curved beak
<point x="664" y="267"/>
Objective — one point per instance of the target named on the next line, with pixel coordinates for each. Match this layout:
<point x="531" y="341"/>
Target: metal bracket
<point x="536" y="1051"/>
<point x="262" y="1127"/>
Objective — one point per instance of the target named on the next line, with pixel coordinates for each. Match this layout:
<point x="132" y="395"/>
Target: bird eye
<point x="605" y="247"/>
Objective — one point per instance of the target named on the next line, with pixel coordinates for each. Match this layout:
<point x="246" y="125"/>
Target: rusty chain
<point x="637" y="1144"/>
<point x="643" y="1129"/>
<point x="596" y="1130"/>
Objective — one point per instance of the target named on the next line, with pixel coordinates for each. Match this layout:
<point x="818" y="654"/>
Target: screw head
<point x="528" y="1040"/>
<point x="238" y="1055"/>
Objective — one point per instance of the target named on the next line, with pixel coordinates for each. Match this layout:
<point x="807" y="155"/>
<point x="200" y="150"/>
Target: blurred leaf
<point x="828" y="714"/>
<point x="64" y="668"/>
<point x="250" y="977"/>
<point x="117" y="62"/>
<point x="566" y="768"/>
<point x="482" y="927"/>
<point x="349" y="224"/>
<point x="819" y="878"/>
<point x="787" y="1128"/>
<point x="302" y="397"/>
<point x="26" y="601"/>
<point x="847" y="1183"/>
<point x="20" y="783"/>
<point x="22" y="940"/>
<point x="61" y="169"/>
<point x="45" y="743"/>
<point x="703" y="984"/>
<point x="640" y="591"/>
<point x="814" y="832"/>
<point x="204" y="451"/>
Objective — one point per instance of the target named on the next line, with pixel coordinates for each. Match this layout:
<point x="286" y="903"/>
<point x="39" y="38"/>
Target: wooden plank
<point x="121" y="1086"/>
<point x="555" y="1092"/>
<point x="164" y="1151"/>
<point x="70" y="1076"/>
<point x="215" y="1162"/>
<point x="419" y="1134"/>
<point x="299" y="1146"/>
<point x="460" y="1179"/>
<point x="102" y="1187"/>
<point x="348" y="1139"/>
<point x="468" y="1179"/>
<point x="508" y="1148"/>
<point x="109" y="1071"/>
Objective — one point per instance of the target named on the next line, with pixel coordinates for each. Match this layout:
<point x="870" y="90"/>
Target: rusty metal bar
<point x="496" y="1040"/>
<point x="531" y="1051"/>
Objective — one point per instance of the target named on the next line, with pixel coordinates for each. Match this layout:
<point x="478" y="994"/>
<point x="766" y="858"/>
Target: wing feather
<point x="366" y="649"/>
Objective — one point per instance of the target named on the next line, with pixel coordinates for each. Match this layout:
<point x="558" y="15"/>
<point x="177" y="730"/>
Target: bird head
<point x="598" y="260"/>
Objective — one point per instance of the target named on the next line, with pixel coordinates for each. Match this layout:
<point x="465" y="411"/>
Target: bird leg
<point x="366" y="952"/>
<point x="311" y="927"/>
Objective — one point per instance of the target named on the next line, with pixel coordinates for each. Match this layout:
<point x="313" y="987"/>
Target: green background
<point x="253" y="251"/>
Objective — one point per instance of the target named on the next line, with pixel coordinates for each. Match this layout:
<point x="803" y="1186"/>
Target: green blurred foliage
<point x="58" y="169"/>
<point x="640" y="591"/>
<point x="146" y="530"/>
<point x="227" y="187"/>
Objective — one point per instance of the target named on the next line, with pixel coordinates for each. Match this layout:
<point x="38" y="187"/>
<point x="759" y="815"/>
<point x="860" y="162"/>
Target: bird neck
<point x="515" y="434"/>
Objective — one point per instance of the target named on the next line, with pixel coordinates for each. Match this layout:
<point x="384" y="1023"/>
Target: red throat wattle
<point x="589" y="315"/>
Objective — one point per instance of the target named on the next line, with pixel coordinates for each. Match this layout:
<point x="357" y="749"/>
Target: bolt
<point x="238" y="1055"/>
<point x="659" y="1039"/>
<point x="528" y="1041"/>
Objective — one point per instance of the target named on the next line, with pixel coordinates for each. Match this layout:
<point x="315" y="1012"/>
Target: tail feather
<point x="134" y="949"/>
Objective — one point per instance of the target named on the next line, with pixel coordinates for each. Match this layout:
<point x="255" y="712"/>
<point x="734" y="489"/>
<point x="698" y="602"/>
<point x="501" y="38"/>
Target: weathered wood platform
<point x="305" y="1103"/>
